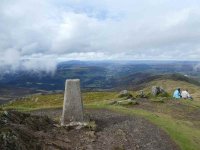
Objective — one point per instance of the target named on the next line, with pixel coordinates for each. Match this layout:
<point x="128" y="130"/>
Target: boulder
<point x="156" y="90"/>
<point x="125" y="94"/>
<point x="141" y="94"/>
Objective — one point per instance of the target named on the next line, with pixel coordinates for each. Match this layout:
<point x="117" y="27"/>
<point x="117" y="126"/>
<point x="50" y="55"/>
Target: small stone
<point x="79" y="127"/>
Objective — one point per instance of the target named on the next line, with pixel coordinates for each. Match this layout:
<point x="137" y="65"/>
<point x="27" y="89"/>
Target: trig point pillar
<point x="72" y="106"/>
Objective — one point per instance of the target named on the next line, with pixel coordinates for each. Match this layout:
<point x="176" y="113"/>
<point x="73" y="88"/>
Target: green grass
<point x="36" y="102"/>
<point x="91" y="97"/>
<point x="54" y="101"/>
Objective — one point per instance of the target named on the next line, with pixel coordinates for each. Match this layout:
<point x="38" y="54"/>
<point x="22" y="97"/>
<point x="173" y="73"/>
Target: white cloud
<point x="39" y="64"/>
<point x="12" y="56"/>
<point x="89" y="30"/>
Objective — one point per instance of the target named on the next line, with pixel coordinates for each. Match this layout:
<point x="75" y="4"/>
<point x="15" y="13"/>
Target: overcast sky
<point x="36" y="34"/>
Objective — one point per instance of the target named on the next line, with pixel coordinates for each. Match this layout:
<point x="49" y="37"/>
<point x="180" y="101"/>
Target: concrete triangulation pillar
<point x="72" y="106"/>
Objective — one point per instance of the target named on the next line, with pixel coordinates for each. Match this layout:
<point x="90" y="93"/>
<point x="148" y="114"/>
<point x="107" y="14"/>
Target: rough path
<point x="114" y="132"/>
<point x="117" y="131"/>
<point x="124" y="132"/>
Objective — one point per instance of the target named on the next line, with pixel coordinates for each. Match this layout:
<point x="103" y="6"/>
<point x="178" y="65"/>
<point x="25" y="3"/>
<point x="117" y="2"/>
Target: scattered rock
<point x="141" y="94"/>
<point x="127" y="102"/>
<point x="156" y="90"/>
<point x="79" y="125"/>
<point x="125" y="94"/>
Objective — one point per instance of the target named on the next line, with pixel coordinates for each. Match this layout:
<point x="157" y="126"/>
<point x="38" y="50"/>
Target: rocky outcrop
<point x="156" y="90"/>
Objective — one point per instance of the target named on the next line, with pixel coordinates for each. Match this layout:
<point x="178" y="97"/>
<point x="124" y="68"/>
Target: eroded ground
<point x="114" y="132"/>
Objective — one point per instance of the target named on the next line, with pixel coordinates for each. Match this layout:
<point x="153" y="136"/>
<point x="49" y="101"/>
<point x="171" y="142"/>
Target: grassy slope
<point x="54" y="101"/>
<point x="183" y="130"/>
<point x="171" y="85"/>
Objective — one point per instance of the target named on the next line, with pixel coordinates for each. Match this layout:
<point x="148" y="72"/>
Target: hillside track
<point x="114" y="131"/>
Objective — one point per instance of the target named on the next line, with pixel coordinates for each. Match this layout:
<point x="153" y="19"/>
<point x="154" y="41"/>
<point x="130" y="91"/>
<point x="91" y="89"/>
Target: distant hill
<point x="139" y="80"/>
<point x="103" y="75"/>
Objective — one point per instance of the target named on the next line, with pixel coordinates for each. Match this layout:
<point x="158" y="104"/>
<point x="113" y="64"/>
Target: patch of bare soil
<point x="114" y="132"/>
<point x="195" y="115"/>
<point x="118" y="131"/>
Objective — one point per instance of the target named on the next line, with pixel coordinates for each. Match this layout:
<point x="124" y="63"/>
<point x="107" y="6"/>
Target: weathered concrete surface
<point x="72" y="106"/>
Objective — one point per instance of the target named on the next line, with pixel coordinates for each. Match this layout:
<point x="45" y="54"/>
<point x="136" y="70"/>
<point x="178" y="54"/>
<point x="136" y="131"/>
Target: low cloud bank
<point x="11" y="62"/>
<point x="197" y="67"/>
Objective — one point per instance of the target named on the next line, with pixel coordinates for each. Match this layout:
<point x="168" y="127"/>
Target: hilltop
<point x="177" y="118"/>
